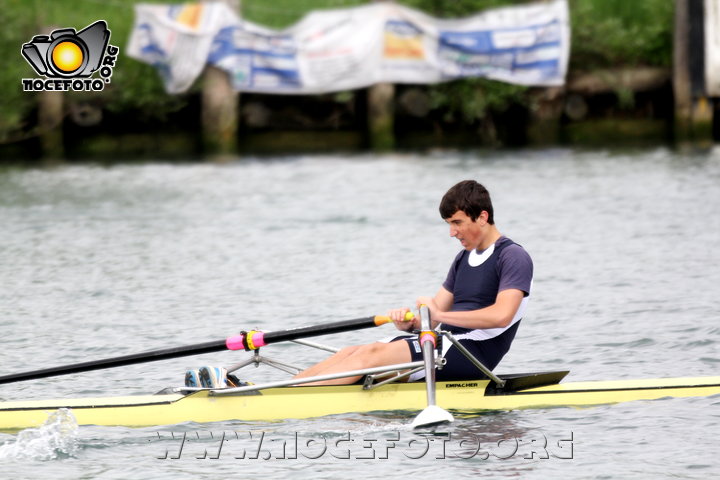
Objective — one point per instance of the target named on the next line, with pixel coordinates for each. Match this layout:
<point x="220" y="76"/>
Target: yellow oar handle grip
<point x="383" y="319"/>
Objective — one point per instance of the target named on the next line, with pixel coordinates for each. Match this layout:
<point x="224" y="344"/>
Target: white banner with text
<point x="351" y="48"/>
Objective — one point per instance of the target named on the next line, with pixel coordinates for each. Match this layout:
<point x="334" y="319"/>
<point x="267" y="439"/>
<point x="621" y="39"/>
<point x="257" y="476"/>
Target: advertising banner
<point x="351" y="48"/>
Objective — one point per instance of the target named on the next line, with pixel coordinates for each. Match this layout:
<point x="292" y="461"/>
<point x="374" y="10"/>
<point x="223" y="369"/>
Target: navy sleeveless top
<point x="475" y="282"/>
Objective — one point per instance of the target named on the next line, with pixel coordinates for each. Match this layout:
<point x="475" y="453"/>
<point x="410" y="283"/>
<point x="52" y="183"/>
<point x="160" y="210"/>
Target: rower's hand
<point x="397" y="315"/>
<point x="429" y="302"/>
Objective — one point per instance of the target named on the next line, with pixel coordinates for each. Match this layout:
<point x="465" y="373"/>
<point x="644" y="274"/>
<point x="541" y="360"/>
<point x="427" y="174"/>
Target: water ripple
<point x="56" y="439"/>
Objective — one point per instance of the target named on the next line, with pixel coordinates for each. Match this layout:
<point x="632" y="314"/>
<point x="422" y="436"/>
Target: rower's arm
<point x="441" y="302"/>
<point x="497" y="315"/>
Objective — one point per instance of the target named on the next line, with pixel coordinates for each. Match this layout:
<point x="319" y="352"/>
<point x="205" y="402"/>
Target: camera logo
<point x="68" y="59"/>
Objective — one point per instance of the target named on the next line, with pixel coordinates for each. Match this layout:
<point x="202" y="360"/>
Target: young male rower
<point x="480" y="302"/>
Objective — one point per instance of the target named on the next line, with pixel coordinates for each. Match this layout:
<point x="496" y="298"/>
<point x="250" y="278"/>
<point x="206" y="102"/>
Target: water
<point x="102" y="261"/>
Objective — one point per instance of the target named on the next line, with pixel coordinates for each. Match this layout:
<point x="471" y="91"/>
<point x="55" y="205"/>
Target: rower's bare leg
<point x="356" y="358"/>
<point x="329" y="363"/>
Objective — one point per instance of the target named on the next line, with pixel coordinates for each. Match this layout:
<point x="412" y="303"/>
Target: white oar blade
<point x="432" y="415"/>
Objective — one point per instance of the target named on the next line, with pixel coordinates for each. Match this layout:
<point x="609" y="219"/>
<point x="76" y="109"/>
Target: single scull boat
<point x="256" y="402"/>
<point x="380" y="390"/>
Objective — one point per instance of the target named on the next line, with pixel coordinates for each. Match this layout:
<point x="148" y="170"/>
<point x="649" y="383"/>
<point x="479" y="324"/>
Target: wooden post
<point x="219" y="113"/>
<point x="711" y="73"/>
<point x="50" y="125"/>
<point x="381" y="116"/>
<point x="681" y="71"/>
<point x="219" y="109"/>
<point x="693" y="115"/>
<point x="544" y="125"/>
<point x="50" y="112"/>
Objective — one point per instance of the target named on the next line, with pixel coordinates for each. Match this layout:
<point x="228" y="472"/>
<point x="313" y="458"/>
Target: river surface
<point x="99" y="261"/>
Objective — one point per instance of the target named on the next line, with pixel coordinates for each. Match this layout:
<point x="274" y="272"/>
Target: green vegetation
<point x="609" y="33"/>
<point x="135" y="86"/>
<point x="605" y="33"/>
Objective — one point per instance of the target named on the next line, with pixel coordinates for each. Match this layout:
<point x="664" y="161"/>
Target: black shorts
<point x="457" y="365"/>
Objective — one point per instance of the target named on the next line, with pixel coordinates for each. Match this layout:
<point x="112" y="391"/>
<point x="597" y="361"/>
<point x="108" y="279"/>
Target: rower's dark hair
<point x="470" y="197"/>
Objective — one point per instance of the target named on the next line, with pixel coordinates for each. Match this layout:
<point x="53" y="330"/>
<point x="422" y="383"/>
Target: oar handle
<point x="383" y="319"/>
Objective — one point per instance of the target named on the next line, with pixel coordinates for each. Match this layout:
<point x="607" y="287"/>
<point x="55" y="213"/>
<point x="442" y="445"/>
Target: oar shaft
<point x="152" y="356"/>
<point x="327" y="329"/>
<point x="247" y="341"/>
<point x="255" y="339"/>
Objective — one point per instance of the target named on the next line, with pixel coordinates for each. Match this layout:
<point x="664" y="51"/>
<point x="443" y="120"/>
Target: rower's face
<point x="467" y="231"/>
